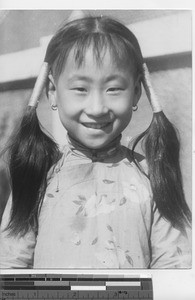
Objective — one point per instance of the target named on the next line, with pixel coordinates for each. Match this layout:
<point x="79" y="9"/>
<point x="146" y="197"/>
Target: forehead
<point x="91" y="57"/>
<point x="91" y="62"/>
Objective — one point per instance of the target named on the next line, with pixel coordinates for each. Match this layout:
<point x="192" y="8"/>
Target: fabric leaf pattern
<point x="79" y="210"/>
<point x="94" y="205"/>
<point x="94" y="241"/>
<point x="78" y="202"/>
<point x="82" y="198"/>
<point x="179" y="251"/>
<point x="123" y="201"/>
<point x="107" y="181"/>
<point x="50" y="195"/>
<point x="129" y="259"/>
<point x="109" y="228"/>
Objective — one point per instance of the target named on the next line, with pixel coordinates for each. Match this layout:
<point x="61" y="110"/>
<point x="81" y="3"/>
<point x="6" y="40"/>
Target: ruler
<point x="74" y="286"/>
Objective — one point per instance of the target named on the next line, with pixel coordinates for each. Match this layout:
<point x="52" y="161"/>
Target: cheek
<point x="123" y="113"/>
<point x="67" y="107"/>
<point x="124" y="119"/>
<point x="123" y="109"/>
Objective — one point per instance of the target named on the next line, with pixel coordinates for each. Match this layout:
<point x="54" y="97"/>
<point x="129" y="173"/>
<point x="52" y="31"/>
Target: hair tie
<point x="39" y="85"/>
<point x="156" y="107"/>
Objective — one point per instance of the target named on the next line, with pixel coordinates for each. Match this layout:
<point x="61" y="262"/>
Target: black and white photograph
<point x="96" y="139"/>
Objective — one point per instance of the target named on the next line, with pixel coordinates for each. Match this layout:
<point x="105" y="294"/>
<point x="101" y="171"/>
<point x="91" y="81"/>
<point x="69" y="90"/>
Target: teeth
<point x="95" y="126"/>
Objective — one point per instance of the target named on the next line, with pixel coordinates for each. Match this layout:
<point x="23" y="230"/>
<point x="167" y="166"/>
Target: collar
<point x="94" y="154"/>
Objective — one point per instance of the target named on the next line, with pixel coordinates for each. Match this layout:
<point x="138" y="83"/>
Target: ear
<point x="52" y="91"/>
<point x="137" y="90"/>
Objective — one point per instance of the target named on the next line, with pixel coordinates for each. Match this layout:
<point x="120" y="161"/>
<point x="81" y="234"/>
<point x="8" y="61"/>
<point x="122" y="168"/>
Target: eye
<point x="80" y="90"/>
<point x="113" y="90"/>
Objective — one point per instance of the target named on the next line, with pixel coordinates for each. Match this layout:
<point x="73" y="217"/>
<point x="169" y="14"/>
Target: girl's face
<point x="95" y="100"/>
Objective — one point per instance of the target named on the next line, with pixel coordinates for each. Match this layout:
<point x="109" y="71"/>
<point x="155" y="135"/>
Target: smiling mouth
<point x="96" y="125"/>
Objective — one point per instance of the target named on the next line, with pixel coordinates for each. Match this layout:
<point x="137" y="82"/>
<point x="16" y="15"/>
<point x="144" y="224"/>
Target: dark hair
<point x="33" y="152"/>
<point x="100" y="33"/>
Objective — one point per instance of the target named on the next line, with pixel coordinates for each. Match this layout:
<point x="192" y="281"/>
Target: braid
<point x="32" y="153"/>
<point x="162" y="146"/>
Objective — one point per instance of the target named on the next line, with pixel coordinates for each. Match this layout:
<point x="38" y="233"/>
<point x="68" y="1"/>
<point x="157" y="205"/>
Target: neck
<point x="107" y="150"/>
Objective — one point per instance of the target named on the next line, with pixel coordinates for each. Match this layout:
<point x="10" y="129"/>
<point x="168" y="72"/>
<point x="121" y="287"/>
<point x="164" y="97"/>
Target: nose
<point x="96" y="105"/>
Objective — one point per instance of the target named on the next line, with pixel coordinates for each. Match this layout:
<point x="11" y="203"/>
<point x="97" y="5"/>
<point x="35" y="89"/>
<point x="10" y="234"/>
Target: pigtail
<point x="162" y="146"/>
<point x="32" y="153"/>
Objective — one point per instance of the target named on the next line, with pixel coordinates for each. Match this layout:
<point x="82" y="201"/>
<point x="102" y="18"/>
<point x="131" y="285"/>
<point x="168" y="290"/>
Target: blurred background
<point x="165" y="38"/>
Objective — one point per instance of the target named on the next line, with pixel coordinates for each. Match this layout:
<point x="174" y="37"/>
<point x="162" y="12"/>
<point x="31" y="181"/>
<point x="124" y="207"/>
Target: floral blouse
<point x="98" y="212"/>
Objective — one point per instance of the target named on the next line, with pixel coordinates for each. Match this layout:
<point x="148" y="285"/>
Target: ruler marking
<point x="74" y="287"/>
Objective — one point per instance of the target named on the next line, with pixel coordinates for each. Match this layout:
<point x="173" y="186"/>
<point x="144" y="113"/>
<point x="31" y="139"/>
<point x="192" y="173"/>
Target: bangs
<point x="121" y="52"/>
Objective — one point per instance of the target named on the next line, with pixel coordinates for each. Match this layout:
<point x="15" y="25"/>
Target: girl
<point x="95" y="203"/>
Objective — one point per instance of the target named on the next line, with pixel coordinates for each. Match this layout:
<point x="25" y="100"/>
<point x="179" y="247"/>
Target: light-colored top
<point x="98" y="212"/>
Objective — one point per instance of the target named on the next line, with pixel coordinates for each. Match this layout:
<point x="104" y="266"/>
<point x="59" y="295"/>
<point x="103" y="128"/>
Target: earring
<point x="134" y="108"/>
<point x="54" y="107"/>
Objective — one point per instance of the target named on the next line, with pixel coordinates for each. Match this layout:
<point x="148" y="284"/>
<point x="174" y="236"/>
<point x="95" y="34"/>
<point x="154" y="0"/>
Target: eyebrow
<point x="114" y="77"/>
<point x="89" y="79"/>
<point x="79" y="77"/>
